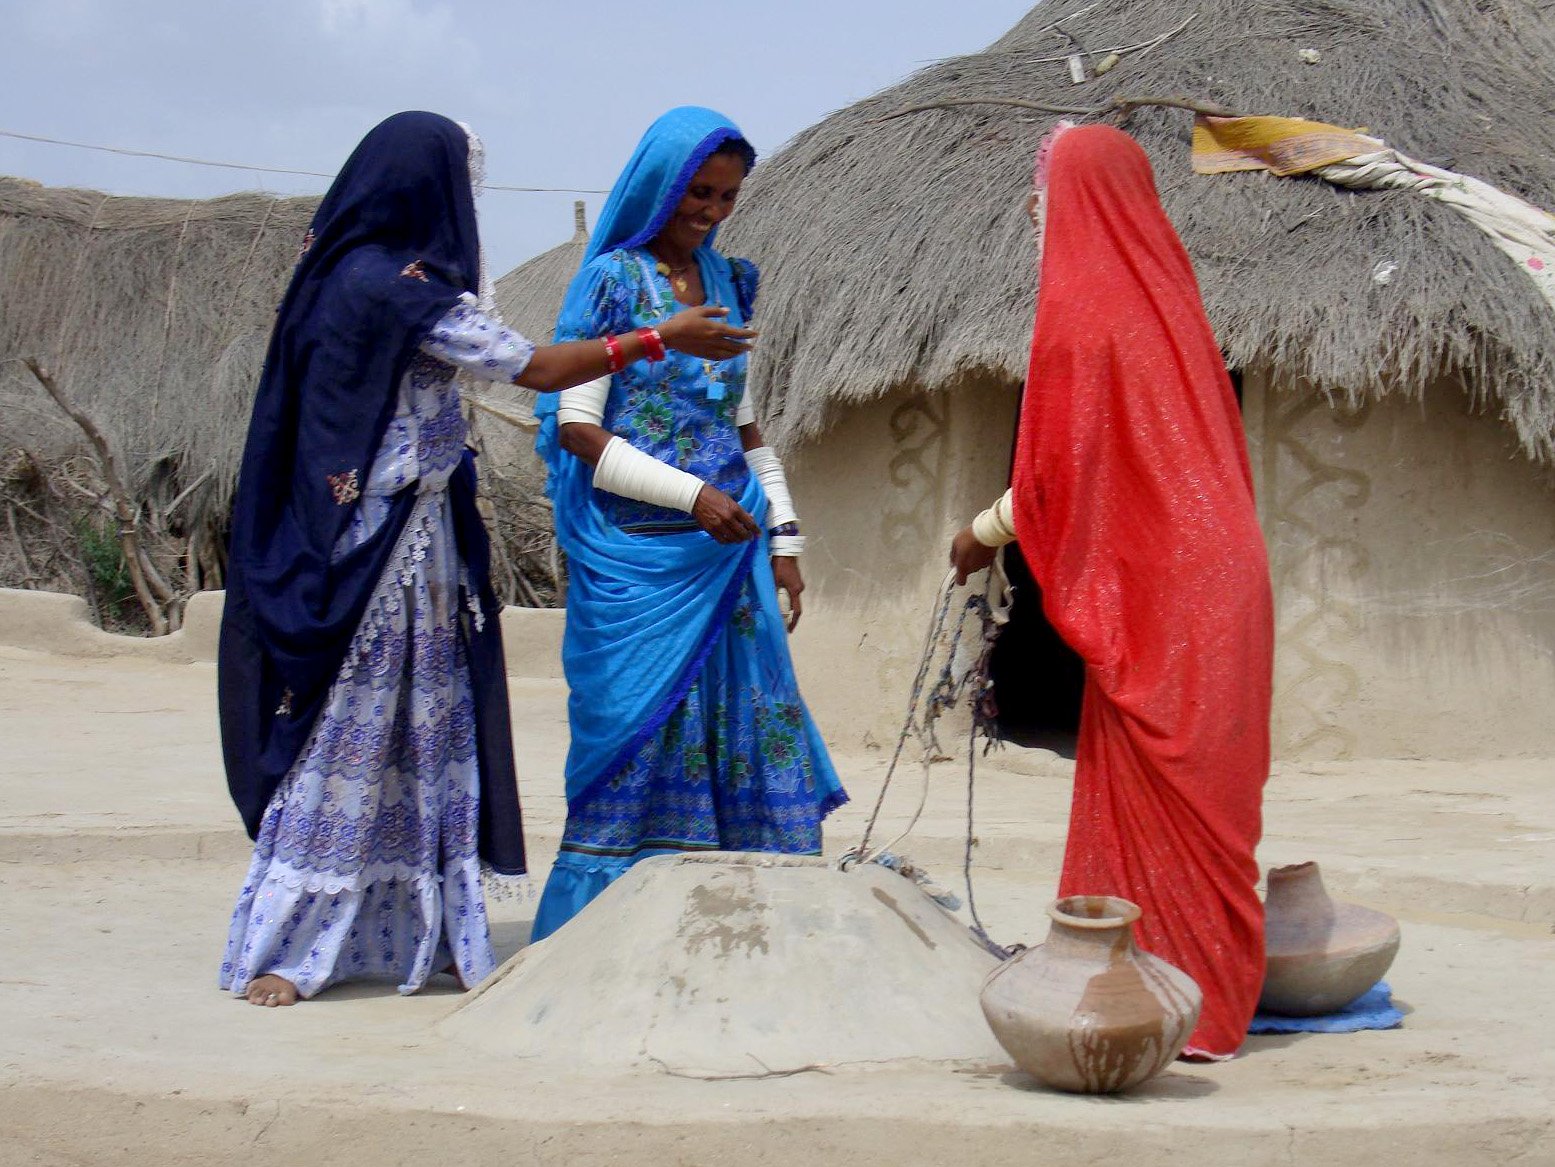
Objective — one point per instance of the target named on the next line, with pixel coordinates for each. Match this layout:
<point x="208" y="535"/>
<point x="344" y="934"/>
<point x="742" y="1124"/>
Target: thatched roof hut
<point x="154" y="312"/>
<point x="897" y="252"/>
<point x="530" y="296"/>
<point x="1410" y="522"/>
<point x="154" y="315"/>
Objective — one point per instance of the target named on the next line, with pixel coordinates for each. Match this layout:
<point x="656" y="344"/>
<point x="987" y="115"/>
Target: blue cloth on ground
<point x="1373" y="1009"/>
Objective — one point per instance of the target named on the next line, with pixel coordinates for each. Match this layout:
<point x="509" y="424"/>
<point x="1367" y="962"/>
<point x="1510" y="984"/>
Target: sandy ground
<point x="119" y="858"/>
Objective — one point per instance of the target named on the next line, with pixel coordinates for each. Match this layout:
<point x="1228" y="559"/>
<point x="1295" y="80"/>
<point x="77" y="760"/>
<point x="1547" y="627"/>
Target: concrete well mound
<point x="728" y="964"/>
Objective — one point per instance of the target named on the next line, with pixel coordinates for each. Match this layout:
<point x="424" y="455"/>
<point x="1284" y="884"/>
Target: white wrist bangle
<point x="791" y="546"/>
<point x="764" y="463"/>
<point x="584" y="403"/>
<point x="746" y="413"/>
<point x="995" y="527"/>
<point x="625" y="470"/>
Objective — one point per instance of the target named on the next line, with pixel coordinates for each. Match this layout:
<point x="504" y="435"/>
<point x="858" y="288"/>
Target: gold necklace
<point x="676" y="276"/>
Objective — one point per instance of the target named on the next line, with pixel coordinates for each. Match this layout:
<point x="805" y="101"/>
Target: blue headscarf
<point x="643" y="612"/>
<point x="655" y="179"/>
<point x="391" y="249"/>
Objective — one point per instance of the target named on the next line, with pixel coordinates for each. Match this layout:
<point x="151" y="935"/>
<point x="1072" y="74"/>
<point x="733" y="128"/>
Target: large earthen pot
<point x="1086" y="1011"/>
<point x="1322" y="954"/>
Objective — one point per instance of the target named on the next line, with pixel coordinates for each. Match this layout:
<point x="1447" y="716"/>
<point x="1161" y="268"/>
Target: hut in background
<point x="1397" y="372"/>
<point x="530" y="296"/>
<point x="153" y="315"/>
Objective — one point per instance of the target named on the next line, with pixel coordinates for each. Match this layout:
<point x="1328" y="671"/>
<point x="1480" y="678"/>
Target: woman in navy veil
<point x="362" y="693"/>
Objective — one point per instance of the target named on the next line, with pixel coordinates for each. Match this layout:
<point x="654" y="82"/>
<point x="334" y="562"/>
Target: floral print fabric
<point x="736" y="764"/>
<point x="681" y="409"/>
<point x="733" y="769"/>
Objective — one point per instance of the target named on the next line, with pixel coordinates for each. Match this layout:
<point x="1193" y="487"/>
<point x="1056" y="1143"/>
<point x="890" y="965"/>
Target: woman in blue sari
<point x="362" y="693"/>
<point x="688" y="731"/>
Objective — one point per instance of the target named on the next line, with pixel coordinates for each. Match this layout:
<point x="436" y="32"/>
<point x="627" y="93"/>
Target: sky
<point x="560" y="92"/>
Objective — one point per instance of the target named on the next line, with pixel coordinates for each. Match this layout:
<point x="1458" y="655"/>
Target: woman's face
<point x="708" y="201"/>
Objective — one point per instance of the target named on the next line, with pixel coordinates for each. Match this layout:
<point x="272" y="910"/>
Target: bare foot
<point x="271" y="991"/>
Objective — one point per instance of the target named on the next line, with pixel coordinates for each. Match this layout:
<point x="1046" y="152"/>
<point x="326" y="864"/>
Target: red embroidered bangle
<point x="614" y="354"/>
<point x="653" y="343"/>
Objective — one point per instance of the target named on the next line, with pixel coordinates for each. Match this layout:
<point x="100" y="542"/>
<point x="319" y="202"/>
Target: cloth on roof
<point x="1349" y="158"/>
<point x="1282" y="146"/>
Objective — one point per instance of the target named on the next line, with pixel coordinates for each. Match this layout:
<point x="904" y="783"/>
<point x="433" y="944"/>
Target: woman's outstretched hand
<point x="723" y="518"/>
<point x="702" y="333"/>
<point x="968" y="555"/>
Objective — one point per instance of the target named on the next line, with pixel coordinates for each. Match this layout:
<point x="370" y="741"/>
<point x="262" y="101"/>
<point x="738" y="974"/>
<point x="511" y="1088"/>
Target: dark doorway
<point x="1037" y="678"/>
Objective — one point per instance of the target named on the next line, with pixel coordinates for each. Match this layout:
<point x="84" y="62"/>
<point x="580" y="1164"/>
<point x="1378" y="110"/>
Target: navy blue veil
<point x="392" y="248"/>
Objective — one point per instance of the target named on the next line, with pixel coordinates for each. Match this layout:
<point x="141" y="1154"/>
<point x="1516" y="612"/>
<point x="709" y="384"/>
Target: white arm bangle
<point x="584" y="403"/>
<point x="764" y="463"/>
<point x="625" y="470"/>
<point x="996" y="526"/>
<point x="746" y="413"/>
<point x="791" y="546"/>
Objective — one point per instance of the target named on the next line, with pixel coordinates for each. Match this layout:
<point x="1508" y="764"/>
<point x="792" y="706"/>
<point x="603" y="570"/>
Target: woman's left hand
<point x="785" y="573"/>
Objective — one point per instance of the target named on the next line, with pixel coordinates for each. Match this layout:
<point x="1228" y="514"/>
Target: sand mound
<point x="733" y="964"/>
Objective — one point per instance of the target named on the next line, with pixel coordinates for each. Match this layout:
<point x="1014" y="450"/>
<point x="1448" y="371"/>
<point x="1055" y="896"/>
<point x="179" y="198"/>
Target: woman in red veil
<point x="1132" y="501"/>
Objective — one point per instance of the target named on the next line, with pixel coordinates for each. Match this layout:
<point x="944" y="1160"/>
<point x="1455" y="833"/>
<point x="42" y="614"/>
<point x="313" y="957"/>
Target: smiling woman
<point x="688" y="732"/>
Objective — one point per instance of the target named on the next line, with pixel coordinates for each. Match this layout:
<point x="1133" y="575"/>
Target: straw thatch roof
<point x="898" y="253"/>
<point x="154" y="315"/>
<point x="530" y="296"/>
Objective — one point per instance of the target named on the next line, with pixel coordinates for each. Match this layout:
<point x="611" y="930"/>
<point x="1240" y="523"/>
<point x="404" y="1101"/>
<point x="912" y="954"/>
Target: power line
<point x="262" y="169"/>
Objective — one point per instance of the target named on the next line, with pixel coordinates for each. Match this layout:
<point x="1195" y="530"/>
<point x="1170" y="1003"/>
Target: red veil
<point x="1134" y="508"/>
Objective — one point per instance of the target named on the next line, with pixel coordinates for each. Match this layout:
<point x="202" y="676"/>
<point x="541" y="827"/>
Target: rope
<point x="982" y="716"/>
<point x="861" y="853"/>
<point x="925" y="705"/>
<point x="126" y="151"/>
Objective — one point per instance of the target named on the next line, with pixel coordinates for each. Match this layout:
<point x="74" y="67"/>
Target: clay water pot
<point x="1086" y="1011"/>
<point x="1322" y="954"/>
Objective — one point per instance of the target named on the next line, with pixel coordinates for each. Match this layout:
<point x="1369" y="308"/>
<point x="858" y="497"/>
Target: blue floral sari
<point x="688" y="731"/>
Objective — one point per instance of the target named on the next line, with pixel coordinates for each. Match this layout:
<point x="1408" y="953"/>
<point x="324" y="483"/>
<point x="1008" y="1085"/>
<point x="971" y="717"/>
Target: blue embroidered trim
<point x="715" y="629"/>
<point x="701" y="154"/>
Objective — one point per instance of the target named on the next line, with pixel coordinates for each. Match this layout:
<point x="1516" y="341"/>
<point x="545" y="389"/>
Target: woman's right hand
<point x="969" y="556"/>
<point x="702" y="333"/>
<point x="723" y="518"/>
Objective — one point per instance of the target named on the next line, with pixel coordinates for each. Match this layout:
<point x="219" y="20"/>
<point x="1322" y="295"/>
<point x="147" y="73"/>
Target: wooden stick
<point x="21" y="548"/>
<point x="1120" y="50"/>
<point x="527" y="424"/>
<point x="124" y="508"/>
<point x="1121" y="105"/>
<point x="950" y="102"/>
<point x="186" y="492"/>
<point x="1127" y="105"/>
